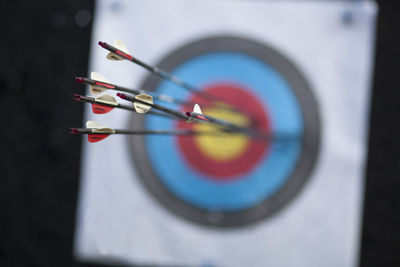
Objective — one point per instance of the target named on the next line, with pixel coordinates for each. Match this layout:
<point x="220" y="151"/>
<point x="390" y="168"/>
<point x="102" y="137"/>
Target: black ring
<point x="310" y="140"/>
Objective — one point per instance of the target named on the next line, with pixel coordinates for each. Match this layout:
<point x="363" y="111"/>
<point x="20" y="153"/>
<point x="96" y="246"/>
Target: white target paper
<point x="330" y="42"/>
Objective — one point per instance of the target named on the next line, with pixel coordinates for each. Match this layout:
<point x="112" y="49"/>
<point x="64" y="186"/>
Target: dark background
<point x="44" y="46"/>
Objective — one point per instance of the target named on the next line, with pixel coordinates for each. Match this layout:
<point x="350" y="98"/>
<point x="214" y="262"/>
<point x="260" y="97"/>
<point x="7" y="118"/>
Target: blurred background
<point x="45" y="44"/>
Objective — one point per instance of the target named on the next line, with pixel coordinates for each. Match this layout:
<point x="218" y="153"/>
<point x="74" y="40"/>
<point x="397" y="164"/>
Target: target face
<point x="230" y="180"/>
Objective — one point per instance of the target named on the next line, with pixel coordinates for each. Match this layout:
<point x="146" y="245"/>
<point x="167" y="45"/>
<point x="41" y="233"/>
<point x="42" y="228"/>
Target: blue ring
<point x="273" y="170"/>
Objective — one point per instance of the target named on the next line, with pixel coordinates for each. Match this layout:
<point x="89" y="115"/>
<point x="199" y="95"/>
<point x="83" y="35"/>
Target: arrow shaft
<point x="110" y="86"/>
<point x="92" y="100"/>
<point x="161" y="73"/>
<point x="141" y="132"/>
<point x="161" y="97"/>
<point x="171" y="112"/>
<point x="165" y="75"/>
<point x="228" y="127"/>
<point x="176" y="132"/>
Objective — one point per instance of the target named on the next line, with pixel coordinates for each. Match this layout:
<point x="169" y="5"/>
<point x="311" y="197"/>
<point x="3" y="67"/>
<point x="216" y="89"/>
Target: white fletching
<point x="95" y="90"/>
<point x="107" y="99"/>
<point x="196" y="109"/>
<point x="98" y="128"/>
<point x="121" y="46"/>
<point x="98" y="77"/>
<point x="93" y="125"/>
<point x="140" y="107"/>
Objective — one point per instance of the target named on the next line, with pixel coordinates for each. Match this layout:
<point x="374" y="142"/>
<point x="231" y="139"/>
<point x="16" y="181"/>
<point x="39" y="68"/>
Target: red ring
<point x="236" y="96"/>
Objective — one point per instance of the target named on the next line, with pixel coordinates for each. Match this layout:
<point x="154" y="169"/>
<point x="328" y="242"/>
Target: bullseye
<point x="224" y="147"/>
<point x="228" y="156"/>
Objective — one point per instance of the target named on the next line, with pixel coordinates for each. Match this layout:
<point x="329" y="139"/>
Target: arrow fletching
<point x="107" y="99"/>
<point x="99" y="132"/>
<point x="197" y="109"/>
<point x="140" y="107"/>
<point x="98" y="108"/>
<point x="198" y="114"/>
<point x="98" y="128"/>
<point x="121" y="46"/>
<point x="100" y="80"/>
<point x="93" y="138"/>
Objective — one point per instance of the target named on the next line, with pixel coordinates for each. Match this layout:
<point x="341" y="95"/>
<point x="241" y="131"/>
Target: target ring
<point x="225" y="157"/>
<point x="247" y="181"/>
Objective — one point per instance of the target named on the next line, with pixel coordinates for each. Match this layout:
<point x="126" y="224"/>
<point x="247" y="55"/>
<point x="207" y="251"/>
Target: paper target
<point x="233" y="180"/>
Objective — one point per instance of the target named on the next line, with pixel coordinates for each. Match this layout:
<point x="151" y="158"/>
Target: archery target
<point x="195" y="201"/>
<point x="230" y="180"/>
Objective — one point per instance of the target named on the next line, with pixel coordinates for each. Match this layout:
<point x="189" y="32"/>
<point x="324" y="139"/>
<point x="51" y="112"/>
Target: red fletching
<point x="100" y="109"/>
<point x="93" y="138"/>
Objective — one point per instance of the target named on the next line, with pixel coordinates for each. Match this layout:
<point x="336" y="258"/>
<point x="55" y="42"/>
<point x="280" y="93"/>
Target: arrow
<point x="121" y="53"/>
<point x="118" y="51"/>
<point x="97" y="132"/>
<point x="102" y="104"/>
<point x="196" y="115"/>
<point x="99" y="84"/>
<point x="145" y="102"/>
<point x="105" y="103"/>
